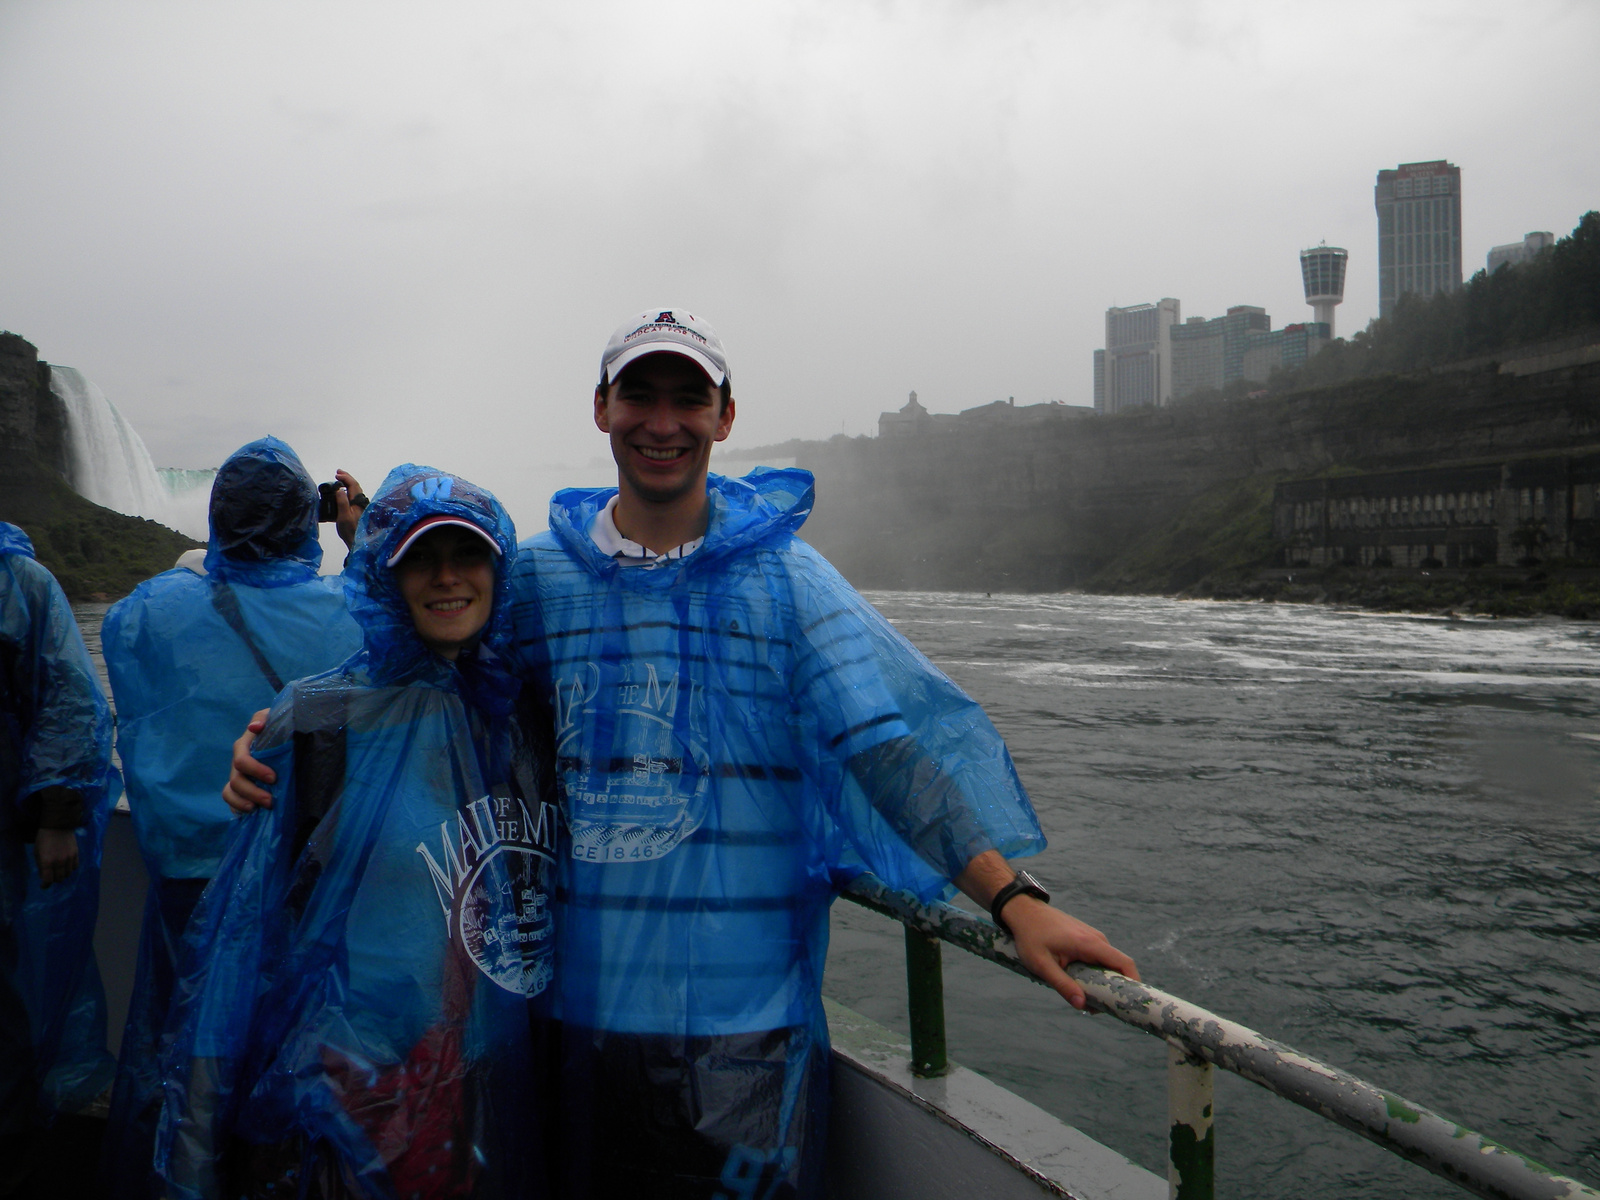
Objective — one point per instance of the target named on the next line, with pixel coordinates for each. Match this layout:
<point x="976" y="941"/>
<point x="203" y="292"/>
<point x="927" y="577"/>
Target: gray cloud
<point x="391" y="231"/>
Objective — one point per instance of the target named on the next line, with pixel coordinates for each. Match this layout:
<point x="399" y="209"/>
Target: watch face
<point x="1029" y="883"/>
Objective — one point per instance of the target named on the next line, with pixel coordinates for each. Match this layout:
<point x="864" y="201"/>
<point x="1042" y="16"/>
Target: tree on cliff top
<point x="1556" y="293"/>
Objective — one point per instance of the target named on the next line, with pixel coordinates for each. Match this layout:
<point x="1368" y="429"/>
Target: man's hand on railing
<point x="1047" y="939"/>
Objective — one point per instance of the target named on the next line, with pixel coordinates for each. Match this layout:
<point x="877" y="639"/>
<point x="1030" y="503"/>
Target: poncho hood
<point x="391" y="648"/>
<point x="263" y="518"/>
<point x="767" y="506"/>
<point x="14" y="541"/>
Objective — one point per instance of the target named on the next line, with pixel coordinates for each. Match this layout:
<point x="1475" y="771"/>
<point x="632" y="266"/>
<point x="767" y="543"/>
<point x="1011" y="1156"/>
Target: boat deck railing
<point x="1197" y="1042"/>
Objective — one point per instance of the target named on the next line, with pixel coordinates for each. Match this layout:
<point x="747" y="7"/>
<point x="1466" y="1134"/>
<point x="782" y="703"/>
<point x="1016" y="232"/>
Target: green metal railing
<point x="1197" y="1042"/>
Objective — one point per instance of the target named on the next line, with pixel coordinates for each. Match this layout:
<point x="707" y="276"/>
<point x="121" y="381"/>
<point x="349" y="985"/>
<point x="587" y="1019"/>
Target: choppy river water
<point x="1372" y="836"/>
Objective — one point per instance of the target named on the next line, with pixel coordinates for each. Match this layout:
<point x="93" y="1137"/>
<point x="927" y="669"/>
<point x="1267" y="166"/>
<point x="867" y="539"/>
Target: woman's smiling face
<point x="447" y="581"/>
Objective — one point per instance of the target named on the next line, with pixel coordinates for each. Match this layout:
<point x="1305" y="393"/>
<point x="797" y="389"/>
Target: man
<point x="190" y="653"/>
<point x="56" y="785"/>
<point x="738" y="732"/>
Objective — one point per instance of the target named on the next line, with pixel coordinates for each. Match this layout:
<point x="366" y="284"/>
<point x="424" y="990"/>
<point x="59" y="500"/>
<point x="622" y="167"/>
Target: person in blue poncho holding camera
<point x="353" y="1014"/>
<point x="189" y="655"/>
<point x="56" y="788"/>
<point x="738" y="732"/>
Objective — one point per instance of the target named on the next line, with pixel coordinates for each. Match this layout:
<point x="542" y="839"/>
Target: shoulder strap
<point x="227" y="604"/>
<point x="319" y="776"/>
<point x="319" y="779"/>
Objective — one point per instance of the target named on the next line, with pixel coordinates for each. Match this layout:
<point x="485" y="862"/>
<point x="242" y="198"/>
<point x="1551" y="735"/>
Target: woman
<point x="353" y="1015"/>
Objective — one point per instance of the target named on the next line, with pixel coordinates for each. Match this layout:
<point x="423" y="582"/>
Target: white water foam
<point x="109" y="464"/>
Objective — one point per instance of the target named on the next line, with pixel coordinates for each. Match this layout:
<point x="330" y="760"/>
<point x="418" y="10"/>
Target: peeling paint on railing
<point x="1452" y="1151"/>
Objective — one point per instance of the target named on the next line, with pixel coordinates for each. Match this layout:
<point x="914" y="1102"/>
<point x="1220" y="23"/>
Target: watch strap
<point x="1023" y="885"/>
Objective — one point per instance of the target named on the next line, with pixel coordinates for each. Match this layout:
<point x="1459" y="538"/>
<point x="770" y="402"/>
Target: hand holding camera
<point x="342" y="503"/>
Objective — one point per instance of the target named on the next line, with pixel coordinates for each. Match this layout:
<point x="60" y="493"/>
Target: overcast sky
<point x="397" y="231"/>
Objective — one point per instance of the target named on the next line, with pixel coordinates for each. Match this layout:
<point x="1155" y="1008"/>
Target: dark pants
<point x="731" y="1117"/>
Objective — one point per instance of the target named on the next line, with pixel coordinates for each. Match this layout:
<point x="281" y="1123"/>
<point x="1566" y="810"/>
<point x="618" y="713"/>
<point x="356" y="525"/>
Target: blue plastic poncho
<point x="737" y="732"/>
<point x="190" y="658"/>
<point x="55" y="772"/>
<point x="353" y="1014"/>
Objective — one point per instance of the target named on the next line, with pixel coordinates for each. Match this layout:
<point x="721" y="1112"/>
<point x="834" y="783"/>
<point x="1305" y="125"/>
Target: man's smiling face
<point x="663" y="415"/>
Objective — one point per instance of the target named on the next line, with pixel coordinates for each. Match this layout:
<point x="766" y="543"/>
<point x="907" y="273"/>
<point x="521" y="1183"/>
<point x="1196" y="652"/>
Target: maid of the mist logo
<point x="631" y="751"/>
<point x="494" y="884"/>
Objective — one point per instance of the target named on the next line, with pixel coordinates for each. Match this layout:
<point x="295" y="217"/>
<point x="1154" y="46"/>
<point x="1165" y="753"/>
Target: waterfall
<point x="109" y="464"/>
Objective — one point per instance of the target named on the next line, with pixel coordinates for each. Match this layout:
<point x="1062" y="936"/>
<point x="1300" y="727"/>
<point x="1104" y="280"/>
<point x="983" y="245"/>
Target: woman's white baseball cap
<point x="428" y="524"/>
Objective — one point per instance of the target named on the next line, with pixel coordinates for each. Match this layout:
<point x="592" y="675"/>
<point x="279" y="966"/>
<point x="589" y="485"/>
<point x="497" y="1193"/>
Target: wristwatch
<point x="1023" y="884"/>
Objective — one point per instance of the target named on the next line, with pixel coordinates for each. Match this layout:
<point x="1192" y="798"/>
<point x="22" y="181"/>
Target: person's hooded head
<point x="263" y="518"/>
<point x="429" y="579"/>
<point x="14" y="541"/>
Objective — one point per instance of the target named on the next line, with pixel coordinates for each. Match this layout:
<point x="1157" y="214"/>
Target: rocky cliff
<point x="1179" y="491"/>
<point x="33" y="423"/>
<point x="97" y="554"/>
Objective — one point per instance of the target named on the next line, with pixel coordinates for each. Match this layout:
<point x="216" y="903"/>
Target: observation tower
<point x="1322" y="271"/>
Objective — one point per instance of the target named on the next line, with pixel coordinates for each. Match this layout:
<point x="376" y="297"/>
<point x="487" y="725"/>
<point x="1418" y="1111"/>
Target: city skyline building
<point x="1285" y="348"/>
<point x="1322" y="270"/>
<point x="1513" y="253"/>
<point x="1135" y="368"/>
<point x="1210" y="354"/>
<point x="1419" y="231"/>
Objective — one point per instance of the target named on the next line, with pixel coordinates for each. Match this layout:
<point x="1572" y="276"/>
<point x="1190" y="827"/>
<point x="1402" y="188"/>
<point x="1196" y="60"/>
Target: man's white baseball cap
<point x="657" y="330"/>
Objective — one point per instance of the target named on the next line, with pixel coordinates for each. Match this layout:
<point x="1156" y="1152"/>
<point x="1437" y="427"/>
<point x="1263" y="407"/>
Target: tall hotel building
<point x="1419" y="231"/>
<point x="1135" y="368"/>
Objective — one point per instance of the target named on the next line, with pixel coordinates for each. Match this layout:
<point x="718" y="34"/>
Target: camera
<point x="328" y="501"/>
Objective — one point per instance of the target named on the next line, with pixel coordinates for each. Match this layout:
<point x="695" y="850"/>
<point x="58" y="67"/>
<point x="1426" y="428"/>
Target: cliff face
<point x="1052" y="505"/>
<point x="95" y="553"/>
<point x="33" y="422"/>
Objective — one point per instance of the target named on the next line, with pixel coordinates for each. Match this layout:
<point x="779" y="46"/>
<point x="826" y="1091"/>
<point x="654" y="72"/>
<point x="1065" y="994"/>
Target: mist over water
<point x="189" y="498"/>
<point x="1371" y="836"/>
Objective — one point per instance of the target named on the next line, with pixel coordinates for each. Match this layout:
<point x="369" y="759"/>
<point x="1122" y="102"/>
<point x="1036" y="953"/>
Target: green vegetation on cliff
<point x="95" y="553"/>
<point x="1226" y="529"/>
